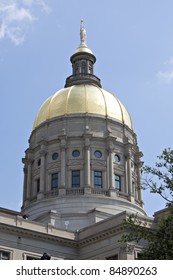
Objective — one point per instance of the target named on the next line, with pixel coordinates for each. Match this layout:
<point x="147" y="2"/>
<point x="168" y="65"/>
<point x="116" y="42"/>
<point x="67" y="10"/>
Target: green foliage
<point x="160" y="238"/>
<point x="160" y="242"/>
<point x="161" y="177"/>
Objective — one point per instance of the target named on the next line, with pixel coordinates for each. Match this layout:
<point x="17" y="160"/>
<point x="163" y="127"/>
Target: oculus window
<point x="98" y="154"/>
<point x="55" y="156"/>
<point x="75" y="153"/>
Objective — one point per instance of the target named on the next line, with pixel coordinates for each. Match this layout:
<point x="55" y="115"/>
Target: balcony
<point x="82" y="78"/>
<point x="75" y="191"/>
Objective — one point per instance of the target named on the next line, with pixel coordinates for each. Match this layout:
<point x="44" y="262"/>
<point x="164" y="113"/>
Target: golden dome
<point x="82" y="99"/>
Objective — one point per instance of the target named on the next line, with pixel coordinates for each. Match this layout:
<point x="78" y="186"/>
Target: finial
<point x="82" y="35"/>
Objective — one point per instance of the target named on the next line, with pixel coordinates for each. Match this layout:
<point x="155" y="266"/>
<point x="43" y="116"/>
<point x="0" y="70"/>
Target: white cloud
<point x="40" y="3"/>
<point x="17" y="15"/>
<point x="167" y="75"/>
<point x="44" y="6"/>
<point x="169" y="61"/>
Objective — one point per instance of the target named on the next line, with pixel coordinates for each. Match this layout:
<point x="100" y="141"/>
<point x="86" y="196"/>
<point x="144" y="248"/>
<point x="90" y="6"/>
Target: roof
<point x="83" y="99"/>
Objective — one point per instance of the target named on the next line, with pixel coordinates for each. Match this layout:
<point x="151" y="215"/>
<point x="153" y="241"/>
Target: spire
<point x="82" y="64"/>
<point x="82" y="35"/>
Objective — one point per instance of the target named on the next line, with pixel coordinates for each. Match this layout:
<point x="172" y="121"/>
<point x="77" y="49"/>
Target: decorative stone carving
<point x="54" y="165"/>
<point x="127" y="248"/>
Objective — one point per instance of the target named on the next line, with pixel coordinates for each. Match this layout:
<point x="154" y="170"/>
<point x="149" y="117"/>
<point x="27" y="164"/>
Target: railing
<point x="74" y="191"/>
<point x="52" y="193"/>
<point x="123" y="195"/>
<point x="100" y="191"/>
<point x="80" y="77"/>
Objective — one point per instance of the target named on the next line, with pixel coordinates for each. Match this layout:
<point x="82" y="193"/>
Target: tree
<point x="159" y="179"/>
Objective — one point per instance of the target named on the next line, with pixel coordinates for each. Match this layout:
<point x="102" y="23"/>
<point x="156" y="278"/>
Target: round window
<point x="98" y="154"/>
<point x="75" y="153"/>
<point x="55" y="156"/>
<point x="117" y="158"/>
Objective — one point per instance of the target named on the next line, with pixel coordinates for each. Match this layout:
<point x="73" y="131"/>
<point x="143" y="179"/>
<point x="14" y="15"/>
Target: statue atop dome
<point x="82" y="35"/>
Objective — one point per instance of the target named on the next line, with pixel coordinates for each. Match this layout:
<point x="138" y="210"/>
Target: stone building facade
<point x="82" y="174"/>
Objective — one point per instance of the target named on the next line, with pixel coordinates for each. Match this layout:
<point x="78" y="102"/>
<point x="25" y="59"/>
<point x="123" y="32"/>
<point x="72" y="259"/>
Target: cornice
<point x="100" y="236"/>
<point x="23" y="232"/>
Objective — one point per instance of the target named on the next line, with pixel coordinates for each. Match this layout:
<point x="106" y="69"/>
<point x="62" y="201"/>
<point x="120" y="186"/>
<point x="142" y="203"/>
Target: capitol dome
<point x="83" y="162"/>
<point x="83" y="99"/>
<point x="83" y="93"/>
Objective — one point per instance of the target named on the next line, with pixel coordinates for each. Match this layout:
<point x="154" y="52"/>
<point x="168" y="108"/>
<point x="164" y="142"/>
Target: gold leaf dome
<point x="83" y="99"/>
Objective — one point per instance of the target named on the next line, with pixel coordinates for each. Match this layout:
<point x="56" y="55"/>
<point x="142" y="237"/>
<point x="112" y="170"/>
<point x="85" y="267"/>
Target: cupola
<point x="82" y="64"/>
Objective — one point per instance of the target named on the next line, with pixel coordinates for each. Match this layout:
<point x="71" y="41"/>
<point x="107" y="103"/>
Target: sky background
<point x="133" y="43"/>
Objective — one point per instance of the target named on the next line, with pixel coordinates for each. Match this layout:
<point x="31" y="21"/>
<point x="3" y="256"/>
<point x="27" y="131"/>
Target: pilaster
<point x="87" y="173"/>
<point x="63" y="160"/>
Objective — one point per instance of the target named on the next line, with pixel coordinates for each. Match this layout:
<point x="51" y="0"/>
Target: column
<point x="42" y="173"/>
<point x="87" y="173"/>
<point x="110" y="148"/>
<point x="24" y="182"/>
<point x="139" y="184"/>
<point x="111" y="170"/>
<point x="87" y="166"/>
<point x="126" y="176"/>
<point x="63" y="161"/>
<point x="28" y="189"/>
<point x="129" y="174"/>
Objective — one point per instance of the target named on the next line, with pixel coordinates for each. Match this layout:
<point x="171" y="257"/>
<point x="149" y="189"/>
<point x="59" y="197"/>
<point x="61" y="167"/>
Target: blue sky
<point x="133" y="43"/>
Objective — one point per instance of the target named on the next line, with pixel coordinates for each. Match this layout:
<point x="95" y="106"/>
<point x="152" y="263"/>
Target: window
<point x="83" y="68"/>
<point x="90" y="68"/>
<point x="116" y="158"/>
<point x="39" y="162"/>
<point x="76" y="69"/>
<point x="98" y="154"/>
<point x="138" y="255"/>
<point x="4" y="255"/>
<point x="117" y="182"/>
<point x="98" y="179"/>
<point x="55" y="156"/>
<point x="38" y="184"/>
<point x="75" y="153"/>
<point x="75" y="179"/>
<point x="54" y="182"/>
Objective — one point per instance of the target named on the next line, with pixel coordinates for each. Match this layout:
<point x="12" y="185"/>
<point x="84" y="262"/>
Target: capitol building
<point x="82" y="175"/>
